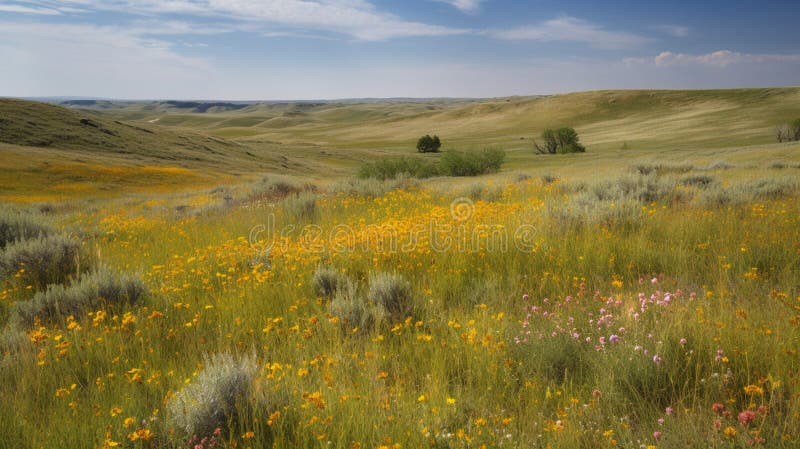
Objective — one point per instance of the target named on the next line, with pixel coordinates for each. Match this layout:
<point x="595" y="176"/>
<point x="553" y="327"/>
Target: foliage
<point x="384" y="169"/>
<point x="472" y="164"/>
<point x="42" y="260"/>
<point x="559" y="141"/>
<point x="428" y="144"/>
<point x="789" y="132"/>
<point x="99" y="290"/>
<point x="301" y="206"/>
<point x="216" y="397"/>
<point x="391" y="293"/>
<point x="328" y="280"/>
<point x="16" y="226"/>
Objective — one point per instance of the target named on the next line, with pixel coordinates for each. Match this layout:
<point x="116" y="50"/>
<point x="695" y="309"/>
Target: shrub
<point x="217" y="397"/>
<point x="789" y="132"/>
<point x="45" y="259"/>
<point x="327" y="280"/>
<point x="472" y="164"/>
<point x="353" y="311"/>
<point x="393" y="168"/>
<point x="91" y="292"/>
<point x="391" y="293"/>
<point x="697" y="180"/>
<point x="371" y="187"/>
<point x="271" y="189"/>
<point x="16" y="226"/>
<point x="559" y="141"/>
<point x="428" y="144"/>
<point x="302" y="206"/>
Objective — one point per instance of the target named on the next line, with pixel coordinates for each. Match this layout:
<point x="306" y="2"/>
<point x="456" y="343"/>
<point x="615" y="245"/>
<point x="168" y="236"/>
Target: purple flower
<point x="670" y="411"/>
<point x="613" y="338"/>
<point x="657" y="359"/>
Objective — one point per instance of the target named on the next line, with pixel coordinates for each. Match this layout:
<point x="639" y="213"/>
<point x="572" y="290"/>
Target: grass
<point x="591" y="300"/>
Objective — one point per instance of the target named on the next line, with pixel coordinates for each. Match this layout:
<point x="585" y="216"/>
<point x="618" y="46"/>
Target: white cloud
<point x="466" y="6"/>
<point x="52" y="59"/>
<point x="571" y="29"/>
<point x="356" y="18"/>
<point x="673" y="30"/>
<point x="721" y="58"/>
<point x="21" y="9"/>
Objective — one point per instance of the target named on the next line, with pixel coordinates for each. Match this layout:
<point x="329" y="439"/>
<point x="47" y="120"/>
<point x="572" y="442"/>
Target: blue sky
<point x="314" y="49"/>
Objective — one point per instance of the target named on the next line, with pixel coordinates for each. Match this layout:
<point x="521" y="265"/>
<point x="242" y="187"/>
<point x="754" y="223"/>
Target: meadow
<point x="644" y="296"/>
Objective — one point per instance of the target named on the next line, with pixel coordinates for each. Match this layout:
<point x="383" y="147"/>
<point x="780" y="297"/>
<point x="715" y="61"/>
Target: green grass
<point x="314" y="310"/>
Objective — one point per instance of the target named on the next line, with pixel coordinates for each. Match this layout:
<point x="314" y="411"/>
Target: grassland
<point x="644" y="296"/>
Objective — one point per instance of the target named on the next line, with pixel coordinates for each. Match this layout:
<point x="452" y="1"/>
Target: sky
<point x="329" y="49"/>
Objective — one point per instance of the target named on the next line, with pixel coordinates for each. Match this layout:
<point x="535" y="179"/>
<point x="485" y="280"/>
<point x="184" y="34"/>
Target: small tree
<point x="428" y="144"/>
<point x="559" y="141"/>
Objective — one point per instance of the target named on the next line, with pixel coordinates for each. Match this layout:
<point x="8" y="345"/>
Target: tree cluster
<point x="428" y="144"/>
<point x="789" y="132"/>
<point x="559" y="141"/>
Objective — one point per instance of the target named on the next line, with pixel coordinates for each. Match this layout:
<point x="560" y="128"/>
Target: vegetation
<point x="559" y="141"/>
<point x="42" y="260"/>
<point x="579" y="302"/>
<point x="472" y="164"/>
<point x="452" y="163"/>
<point x="789" y="132"/>
<point x="428" y="144"/>
<point x="99" y="290"/>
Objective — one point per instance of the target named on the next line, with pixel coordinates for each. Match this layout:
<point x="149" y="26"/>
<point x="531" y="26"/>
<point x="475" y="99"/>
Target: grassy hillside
<point x="605" y="119"/>
<point x="51" y="152"/>
<point x="324" y="141"/>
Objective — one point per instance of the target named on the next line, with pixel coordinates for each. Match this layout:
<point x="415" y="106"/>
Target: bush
<point x="328" y="280"/>
<point x="271" y="189"/>
<point x="789" y="132"/>
<point x="393" y="168"/>
<point x="472" y="164"/>
<point x="559" y="141"/>
<point x="217" y="397"/>
<point x="46" y="260"/>
<point x="15" y="226"/>
<point x="701" y="181"/>
<point x="301" y="206"/>
<point x="92" y="292"/>
<point x="353" y="311"/>
<point x="428" y="144"/>
<point x="371" y="187"/>
<point x="391" y="293"/>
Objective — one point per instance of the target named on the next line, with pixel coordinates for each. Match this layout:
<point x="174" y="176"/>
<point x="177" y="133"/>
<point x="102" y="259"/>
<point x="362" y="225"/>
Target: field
<point x="219" y="278"/>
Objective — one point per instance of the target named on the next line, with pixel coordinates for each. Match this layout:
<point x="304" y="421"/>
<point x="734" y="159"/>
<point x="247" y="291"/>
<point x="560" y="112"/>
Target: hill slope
<point x="649" y="119"/>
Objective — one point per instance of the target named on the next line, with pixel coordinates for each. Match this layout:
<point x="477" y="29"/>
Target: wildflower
<point x="683" y="342"/>
<point x="657" y="359"/>
<point x="753" y="390"/>
<point x="657" y="435"/>
<point x="729" y="432"/>
<point x="613" y="338"/>
<point x="670" y="411"/>
<point x="746" y="417"/>
<point x="717" y="407"/>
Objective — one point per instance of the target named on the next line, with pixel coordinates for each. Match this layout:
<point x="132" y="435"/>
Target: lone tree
<point x="559" y="141"/>
<point x="428" y="144"/>
<point x="789" y="132"/>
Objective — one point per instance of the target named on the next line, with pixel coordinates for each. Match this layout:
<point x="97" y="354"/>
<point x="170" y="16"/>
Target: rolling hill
<point x="108" y="146"/>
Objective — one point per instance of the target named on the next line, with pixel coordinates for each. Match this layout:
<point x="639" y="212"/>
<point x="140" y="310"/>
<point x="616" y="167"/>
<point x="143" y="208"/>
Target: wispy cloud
<point x="572" y="29"/>
<point x="721" y="58"/>
<point x="466" y="6"/>
<point x="356" y="18"/>
<point x="22" y="9"/>
<point x="673" y="30"/>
